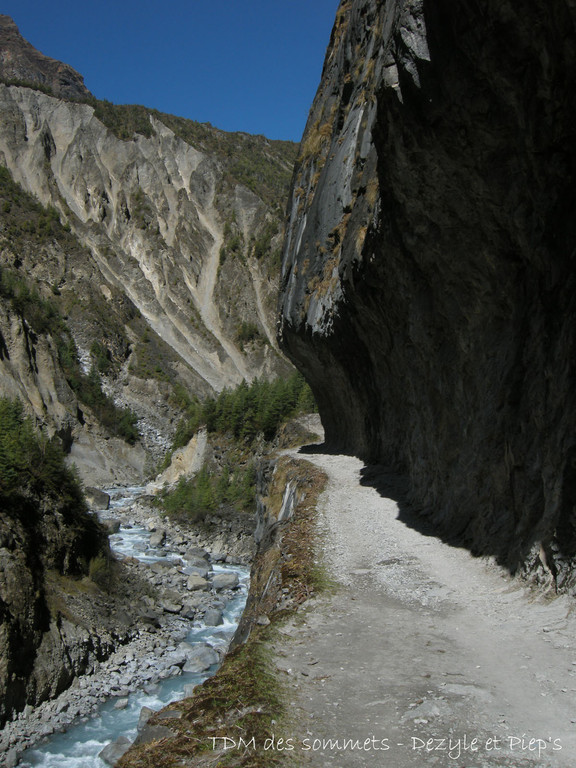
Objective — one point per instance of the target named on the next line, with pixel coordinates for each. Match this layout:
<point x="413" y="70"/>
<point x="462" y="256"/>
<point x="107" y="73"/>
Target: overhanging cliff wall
<point x="428" y="289"/>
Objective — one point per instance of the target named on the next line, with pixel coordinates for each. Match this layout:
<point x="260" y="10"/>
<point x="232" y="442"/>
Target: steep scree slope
<point x="152" y="211"/>
<point x="428" y="281"/>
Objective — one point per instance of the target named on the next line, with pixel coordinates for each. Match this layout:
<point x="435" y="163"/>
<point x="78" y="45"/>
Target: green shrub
<point x="102" y="572"/>
<point x="30" y="462"/>
<point x="249" y="409"/>
<point x="233" y="245"/>
<point x="247" y="332"/>
<point x="263" y="242"/>
<point x="29" y="84"/>
<point x="101" y="357"/>
<point x="119" y="422"/>
<point x="26" y="219"/>
<point x="152" y="358"/>
<point x="194" y="498"/>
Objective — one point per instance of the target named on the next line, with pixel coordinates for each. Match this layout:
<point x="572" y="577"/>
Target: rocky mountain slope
<point x="172" y="280"/>
<point x="21" y="62"/>
<point x="428" y="284"/>
<point x="139" y="265"/>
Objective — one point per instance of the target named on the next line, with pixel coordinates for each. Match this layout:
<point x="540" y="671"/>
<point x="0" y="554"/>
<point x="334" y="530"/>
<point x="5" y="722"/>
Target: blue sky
<point x="242" y="65"/>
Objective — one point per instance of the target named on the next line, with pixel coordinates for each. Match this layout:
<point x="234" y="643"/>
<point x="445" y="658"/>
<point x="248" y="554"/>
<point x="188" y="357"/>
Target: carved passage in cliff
<point x="428" y="286"/>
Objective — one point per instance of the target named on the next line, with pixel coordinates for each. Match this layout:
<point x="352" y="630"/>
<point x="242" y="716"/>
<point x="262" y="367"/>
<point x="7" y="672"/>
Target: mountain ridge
<point x="21" y="62"/>
<point x="178" y="217"/>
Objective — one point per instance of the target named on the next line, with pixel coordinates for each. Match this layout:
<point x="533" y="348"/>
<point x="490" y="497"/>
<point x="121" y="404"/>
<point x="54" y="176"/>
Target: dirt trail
<point x="422" y="641"/>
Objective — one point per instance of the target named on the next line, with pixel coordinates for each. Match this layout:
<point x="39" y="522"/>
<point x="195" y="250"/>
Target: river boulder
<point x="201" y="658"/>
<point x="225" y="581"/>
<point x="96" y="499"/>
<point x="213" y="617"/>
<point x="113" y="752"/>
<point x="196" y="582"/>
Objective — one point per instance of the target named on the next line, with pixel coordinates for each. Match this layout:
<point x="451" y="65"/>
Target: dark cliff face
<point x="39" y="536"/>
<point x="21" y="62"/>
<point x="428" y="286"/>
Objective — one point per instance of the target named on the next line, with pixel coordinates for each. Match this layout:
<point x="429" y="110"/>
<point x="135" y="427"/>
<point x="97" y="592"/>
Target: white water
<point x="80" y="745"/>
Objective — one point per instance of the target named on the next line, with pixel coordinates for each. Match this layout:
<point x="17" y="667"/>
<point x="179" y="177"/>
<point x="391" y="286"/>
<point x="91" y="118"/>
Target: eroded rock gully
<point x="152" y="213"/>
<point x="428" y="281"/>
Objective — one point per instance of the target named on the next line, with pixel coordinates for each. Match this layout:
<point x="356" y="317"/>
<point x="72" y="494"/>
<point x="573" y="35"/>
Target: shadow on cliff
<point x="391" y="484"/>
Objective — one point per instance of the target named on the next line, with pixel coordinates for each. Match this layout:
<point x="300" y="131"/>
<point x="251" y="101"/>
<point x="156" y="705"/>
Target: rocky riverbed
<point x="182" y="585"/>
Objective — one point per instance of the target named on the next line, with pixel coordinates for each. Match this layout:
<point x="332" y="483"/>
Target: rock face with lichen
<point x="428" y="287"/>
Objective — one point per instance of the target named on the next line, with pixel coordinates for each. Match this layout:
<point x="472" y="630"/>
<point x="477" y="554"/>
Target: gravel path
<point x="423" y="649"/>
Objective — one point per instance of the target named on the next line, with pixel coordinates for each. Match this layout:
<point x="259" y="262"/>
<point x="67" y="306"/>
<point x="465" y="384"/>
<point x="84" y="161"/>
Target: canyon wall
<point x="47" y="539"/>
<point x="152" y="211"/>
<point x="428" y="287"/>
<point x="156" y="238"/>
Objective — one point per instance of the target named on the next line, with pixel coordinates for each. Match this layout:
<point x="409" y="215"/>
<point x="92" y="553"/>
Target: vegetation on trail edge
<point x="239" y="416"/>
<point x="246" y="698"/>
